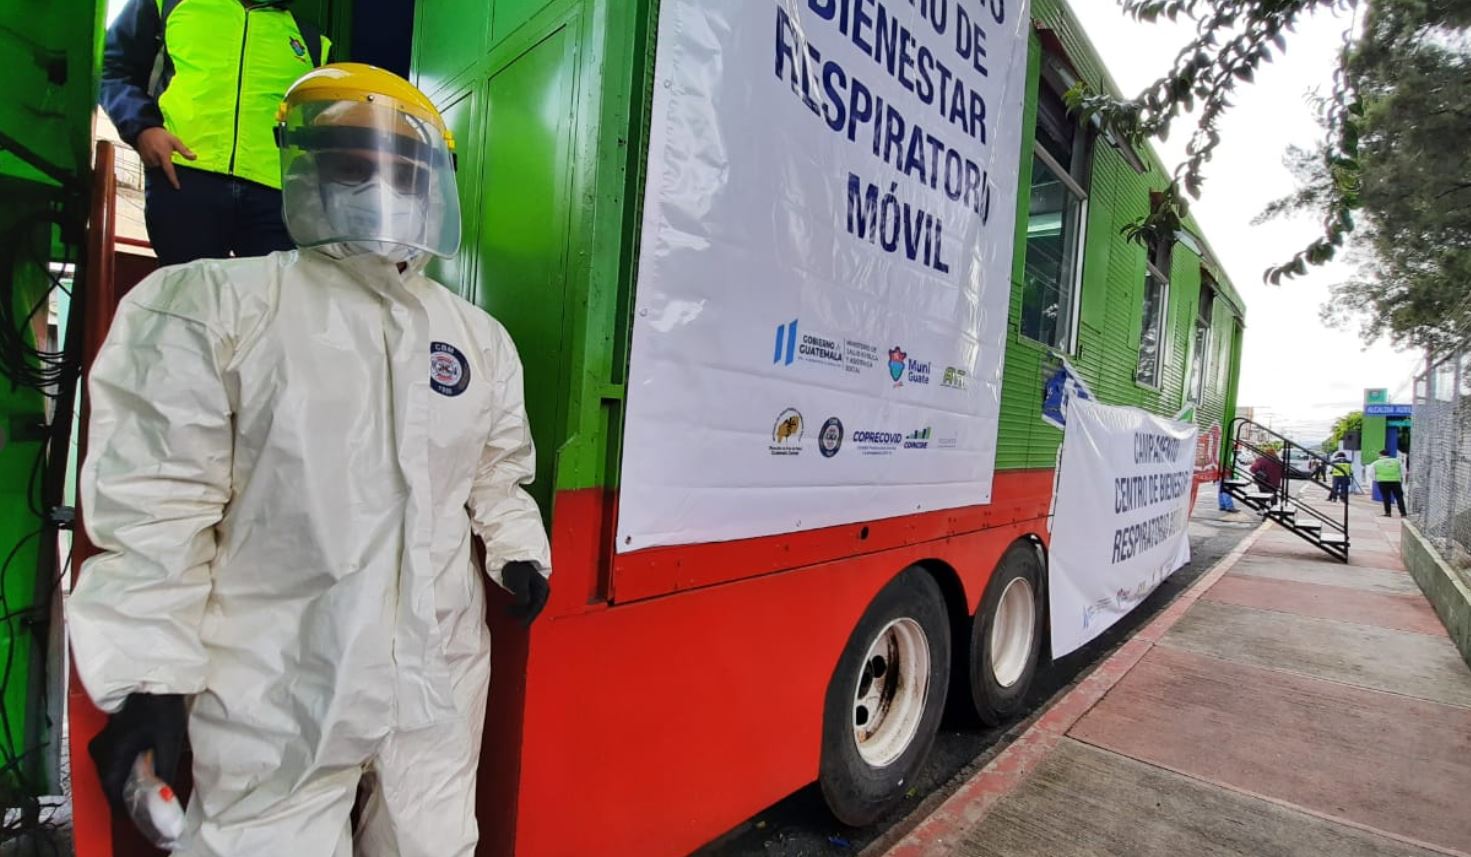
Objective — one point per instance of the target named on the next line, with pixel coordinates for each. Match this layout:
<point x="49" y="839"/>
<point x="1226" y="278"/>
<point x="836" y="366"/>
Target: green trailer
<point x="670" y="693"/>
<point x="620" y="725"/>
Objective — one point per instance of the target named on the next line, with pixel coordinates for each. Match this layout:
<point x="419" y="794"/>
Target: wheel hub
<point x="892" y="686"/>
<point x="1012" y="631"/>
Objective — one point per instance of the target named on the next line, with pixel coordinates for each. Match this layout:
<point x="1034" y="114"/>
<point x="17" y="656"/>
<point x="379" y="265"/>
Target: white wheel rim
<point x="893" y="681"/>
<point x="1012" y="632"/>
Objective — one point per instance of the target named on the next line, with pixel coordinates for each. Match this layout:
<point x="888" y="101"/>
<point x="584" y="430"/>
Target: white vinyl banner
<point x="1121" y="516"/>
<point x="821" y="308"/>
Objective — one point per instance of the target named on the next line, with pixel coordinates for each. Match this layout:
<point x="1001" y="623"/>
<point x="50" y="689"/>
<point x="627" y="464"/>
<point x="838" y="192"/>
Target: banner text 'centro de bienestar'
<point x="825" y="271"/>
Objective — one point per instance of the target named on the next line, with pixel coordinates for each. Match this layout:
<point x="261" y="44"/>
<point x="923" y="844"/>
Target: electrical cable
<point x="25" y="364"/>
<point x="28" y="364"/>
<point x="25" y="794"/>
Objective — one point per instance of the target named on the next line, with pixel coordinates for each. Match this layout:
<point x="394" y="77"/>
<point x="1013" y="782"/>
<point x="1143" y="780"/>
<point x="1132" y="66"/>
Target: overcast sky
<point x="1299" y="373"/>
<point x="1303" y="374"/>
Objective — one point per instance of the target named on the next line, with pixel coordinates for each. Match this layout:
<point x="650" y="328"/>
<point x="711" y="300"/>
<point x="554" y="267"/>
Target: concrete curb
<point x="1447" y="591"/>
<point x="934" y="836"/>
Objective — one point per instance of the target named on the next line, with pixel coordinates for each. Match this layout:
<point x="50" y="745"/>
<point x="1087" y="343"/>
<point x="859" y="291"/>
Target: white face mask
<point x="387" y="251"/>
<point x="385" y="219"/>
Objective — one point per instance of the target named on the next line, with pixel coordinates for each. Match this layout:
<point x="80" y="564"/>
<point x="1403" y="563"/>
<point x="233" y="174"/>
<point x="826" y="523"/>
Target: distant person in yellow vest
<point x="1342" y="473"/>
<point x="193" y="85"/>
<point x="1389" y="474"/>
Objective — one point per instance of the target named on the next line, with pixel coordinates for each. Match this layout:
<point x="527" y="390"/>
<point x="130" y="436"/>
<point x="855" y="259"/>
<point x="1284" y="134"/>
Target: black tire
<point x="857" y="792"/>
<point x="994" y="703"/>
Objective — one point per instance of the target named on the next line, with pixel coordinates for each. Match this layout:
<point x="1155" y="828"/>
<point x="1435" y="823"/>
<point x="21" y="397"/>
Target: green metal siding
<point x="1111" y="303"/>
<point x="52" y="54"/>
<point x="1056" y="17"/>
<point x="540" y="95"/>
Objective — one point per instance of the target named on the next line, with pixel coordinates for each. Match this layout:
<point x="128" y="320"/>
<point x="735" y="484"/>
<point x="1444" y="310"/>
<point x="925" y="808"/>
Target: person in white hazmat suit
<point x="288" y="458"/>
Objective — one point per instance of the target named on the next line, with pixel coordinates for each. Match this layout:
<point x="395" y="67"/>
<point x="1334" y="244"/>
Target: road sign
<point x="1388" y="410"/>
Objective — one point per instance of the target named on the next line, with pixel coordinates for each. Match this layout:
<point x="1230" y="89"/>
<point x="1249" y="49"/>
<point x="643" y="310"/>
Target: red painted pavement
<point x="971" y="802"/>
<point x="1375" y="558"/>
<point x="1396" y="765"/>
<point x="1373" y="759"/>
<point x="1294" y="550"/>
<point x="1398" y="612"/>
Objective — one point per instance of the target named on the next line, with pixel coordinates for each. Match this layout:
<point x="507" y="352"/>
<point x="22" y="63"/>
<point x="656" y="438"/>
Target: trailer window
<point x="1201" y="347"/>
<point x="1156" y="304"/>
<point x="1058" y="210"/>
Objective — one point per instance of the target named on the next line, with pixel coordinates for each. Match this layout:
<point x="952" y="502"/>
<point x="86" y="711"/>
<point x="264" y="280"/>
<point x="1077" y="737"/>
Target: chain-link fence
<point x="1440" y="478"/>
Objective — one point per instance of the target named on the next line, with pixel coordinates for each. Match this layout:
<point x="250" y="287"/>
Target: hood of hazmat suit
<point x="366" y="171"/>
<point x="287" y="460"/>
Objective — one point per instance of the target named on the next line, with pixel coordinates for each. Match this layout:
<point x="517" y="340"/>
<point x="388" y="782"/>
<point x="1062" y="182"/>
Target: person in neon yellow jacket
<point x="1341" y="471"/>
<point x="202" y="123"/>
<point x="288" y="459"/>
<point x="1389" y="475"/>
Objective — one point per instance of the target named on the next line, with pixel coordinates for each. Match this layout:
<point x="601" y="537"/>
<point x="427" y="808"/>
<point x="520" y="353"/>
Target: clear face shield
<point x="368" y="178"/>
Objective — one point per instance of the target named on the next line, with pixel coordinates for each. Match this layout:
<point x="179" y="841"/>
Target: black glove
<point x="530" y="588"/>
<point x="146" y="721"/>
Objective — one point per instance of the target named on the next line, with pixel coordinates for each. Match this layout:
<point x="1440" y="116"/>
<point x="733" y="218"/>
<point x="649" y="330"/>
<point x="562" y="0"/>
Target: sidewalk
<point x="1286" y="705"/>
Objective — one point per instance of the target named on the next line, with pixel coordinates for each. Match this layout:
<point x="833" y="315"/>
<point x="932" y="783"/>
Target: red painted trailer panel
<point x="712" y="690"/>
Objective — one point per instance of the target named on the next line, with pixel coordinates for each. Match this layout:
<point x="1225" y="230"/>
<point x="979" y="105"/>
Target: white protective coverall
<point x="288" y="456"/>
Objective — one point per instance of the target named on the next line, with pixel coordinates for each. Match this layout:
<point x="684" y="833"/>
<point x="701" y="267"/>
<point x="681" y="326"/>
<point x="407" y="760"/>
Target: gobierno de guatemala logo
<point x="794" y="345"/>
<point x="786" y="433"/>
<point x="830" y="439"/>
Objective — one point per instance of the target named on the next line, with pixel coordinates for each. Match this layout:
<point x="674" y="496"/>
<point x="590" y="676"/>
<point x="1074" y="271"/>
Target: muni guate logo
<point x="897" y="356"/>
<point x="902" y="367"/>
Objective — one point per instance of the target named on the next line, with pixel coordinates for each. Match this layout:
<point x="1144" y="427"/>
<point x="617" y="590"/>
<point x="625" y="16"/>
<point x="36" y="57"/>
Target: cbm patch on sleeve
<point x="449" y="371"/>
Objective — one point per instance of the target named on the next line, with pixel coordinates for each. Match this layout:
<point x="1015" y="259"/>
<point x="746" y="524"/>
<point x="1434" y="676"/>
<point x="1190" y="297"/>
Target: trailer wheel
<point x="885" y="699"/>
<point x="1006" y="636"/>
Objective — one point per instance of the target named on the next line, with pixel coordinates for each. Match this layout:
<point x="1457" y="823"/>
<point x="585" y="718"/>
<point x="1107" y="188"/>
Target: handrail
<point x="1298" y="503"/>
<point x="1283" y="493"/>
<point x="93" y="834"/>
<point x="1239" y="421"/>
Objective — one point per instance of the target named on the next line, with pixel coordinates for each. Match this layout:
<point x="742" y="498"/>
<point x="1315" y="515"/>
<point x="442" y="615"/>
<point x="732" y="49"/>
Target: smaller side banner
<point x="1121" y="518"/>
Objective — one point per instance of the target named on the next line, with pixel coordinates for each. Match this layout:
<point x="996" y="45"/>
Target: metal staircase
<point x="1321" y="523"/>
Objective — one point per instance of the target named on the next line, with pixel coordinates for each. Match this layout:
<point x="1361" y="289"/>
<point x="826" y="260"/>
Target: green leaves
<point x="1395" y="170"/>
<point x="1350" y="422"/>
<point x="1232" y="40"/>
<point x="1394" y="164"/>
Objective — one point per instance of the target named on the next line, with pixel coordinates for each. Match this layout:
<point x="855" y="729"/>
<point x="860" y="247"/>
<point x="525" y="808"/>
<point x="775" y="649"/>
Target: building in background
<point x="132" y="232"/>
<point x="1254" y="430"/>
<point x="1386" y="425"/>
